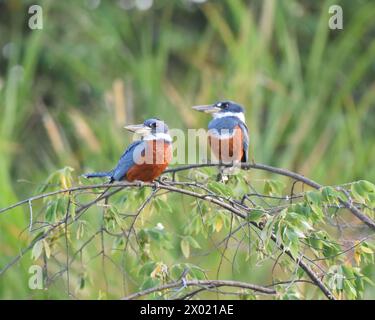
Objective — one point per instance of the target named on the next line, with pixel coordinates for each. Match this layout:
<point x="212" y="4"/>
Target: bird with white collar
<point x="228" y="134"/>
<point x="144" y="160"/>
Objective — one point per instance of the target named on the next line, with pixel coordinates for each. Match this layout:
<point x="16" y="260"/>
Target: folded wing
<point x="128" y="159"/>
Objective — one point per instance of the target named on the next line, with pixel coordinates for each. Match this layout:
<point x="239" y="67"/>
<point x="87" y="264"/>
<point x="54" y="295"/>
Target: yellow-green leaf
<point x="218" y="223"/>
<point x="185" y="248"/>
<point x="47" y="248"/>
<point x="367" y="250"/>
<point x="37" y="250"/>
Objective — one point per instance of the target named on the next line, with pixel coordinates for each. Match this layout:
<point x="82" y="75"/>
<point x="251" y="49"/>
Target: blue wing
<point x="127" y="160"/>
<point x="229" y="123"/>
<point x="245" y="142"/>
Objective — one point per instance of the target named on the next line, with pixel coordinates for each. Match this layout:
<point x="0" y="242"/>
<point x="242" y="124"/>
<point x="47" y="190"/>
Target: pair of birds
<point x="146" y="159"/>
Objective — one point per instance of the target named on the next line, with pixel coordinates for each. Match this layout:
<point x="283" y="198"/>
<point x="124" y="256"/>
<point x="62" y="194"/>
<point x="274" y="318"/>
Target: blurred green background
<point x="67" y="90"/>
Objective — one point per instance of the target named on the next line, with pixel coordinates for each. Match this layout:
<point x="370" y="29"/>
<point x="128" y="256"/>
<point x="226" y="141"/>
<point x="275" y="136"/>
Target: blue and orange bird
<point x="228" y="135"/>
<point x="145" y="159"/>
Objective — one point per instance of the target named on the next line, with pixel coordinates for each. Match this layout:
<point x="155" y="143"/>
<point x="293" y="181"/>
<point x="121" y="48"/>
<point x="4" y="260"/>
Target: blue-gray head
<point x="223" y="109"/>
<point x="151" y="129"/>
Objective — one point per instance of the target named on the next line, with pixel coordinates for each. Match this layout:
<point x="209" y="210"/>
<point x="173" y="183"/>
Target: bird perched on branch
<point x="145" y="159"/>
<point x="227" y="132"/>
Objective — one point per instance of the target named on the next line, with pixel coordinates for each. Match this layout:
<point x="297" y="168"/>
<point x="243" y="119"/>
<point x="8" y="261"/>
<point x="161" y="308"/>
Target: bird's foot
<point x="155" y="186"/>
<point x="183" y="277"/>
<point x="163" y="180"/>
<point x="140" y="183"/>
<point x="184" y="282"/>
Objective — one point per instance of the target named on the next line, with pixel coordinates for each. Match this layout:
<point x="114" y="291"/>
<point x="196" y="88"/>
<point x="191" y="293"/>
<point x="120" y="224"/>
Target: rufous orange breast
<point x="154" y="160"/>
<point x="227" y="149"/>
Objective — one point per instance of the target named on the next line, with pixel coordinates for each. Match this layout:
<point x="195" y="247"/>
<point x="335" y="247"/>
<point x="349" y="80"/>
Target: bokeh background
<point x="67" y="90"/>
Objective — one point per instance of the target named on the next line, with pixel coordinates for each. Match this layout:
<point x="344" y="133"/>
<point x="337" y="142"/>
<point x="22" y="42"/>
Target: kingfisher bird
<point x="228" y="134"/>
<point x="145" y="159"/>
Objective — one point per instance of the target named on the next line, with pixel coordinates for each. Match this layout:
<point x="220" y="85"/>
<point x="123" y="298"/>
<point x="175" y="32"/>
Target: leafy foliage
<point x="308" y="93"/>
<point x="307" y="225"/>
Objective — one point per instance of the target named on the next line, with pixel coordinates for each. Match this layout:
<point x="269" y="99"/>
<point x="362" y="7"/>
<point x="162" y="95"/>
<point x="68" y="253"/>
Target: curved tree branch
<point x="298" y="177"/>
<point x="202" y="283"/>
<point x="312" y="275"/>
<point x="239" y="210"/>
<point x="355" y="211"/>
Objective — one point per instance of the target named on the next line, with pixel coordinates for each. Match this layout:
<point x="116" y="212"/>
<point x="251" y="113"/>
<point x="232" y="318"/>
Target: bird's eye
<point x="153" y="125"/>
<point x="226" y="105"/>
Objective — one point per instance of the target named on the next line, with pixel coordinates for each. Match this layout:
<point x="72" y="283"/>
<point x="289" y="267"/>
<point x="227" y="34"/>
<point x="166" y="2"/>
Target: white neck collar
<point x="158" y="136"/>
<point x="238" y="115"/>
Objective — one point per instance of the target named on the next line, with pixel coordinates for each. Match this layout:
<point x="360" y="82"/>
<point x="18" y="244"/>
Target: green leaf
<point x="62" y="204"/>
<point x="350" y="290"/>
<point x="313" y="197"/>
<point x="122" y="199"/>
<point x="255" y="215"/>
<point x="291" y="239"/>
<point x="318" y="212"/>
<point x="330" y="250"/>
<point x="363" y="191"/>
<point x="37" y="250"/>
<point x="147" y="268"/>
<point x="197" y="226"/>
<point x="306" y="225"/>
<point x="367" y="186"/>
<point x="369" y="281"/>
<point x="51" y="211"/>
<point x="176" y="270"/>
<point x="142" y="193"/>
<point x="72" y="208"/>
<point x="347" y="271"/>
<point x="47" y="248"/>
<point x="150" y="283"/>
<point x="371" y="200"/>
<point x="193" y="243"/>
<point x="114" y="213"/>
<point x="196" y="272"/>
<point x="367" y="250"/>
<point x="80" y="230"/>
<point x="267" y="230"/>
<point x="66" y="177"/>
<point x="330" y="195"/>
<point x="48" y="181"/>
<point x="218" y="223"/>
<point x="185" y="247"/>
<point x="358" y="193"/>
<point x="143" y="236"/>
<point x="220" y="189"/>
<point x="274" y="187"/>
<point x="291" y="295"/>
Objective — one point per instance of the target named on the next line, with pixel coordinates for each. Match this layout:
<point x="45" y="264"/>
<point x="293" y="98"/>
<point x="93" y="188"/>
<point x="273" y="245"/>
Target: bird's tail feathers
<point x="97" y="174"/>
